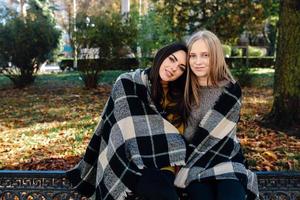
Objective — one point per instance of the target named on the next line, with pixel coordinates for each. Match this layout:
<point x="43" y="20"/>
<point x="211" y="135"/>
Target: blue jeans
<point x="216" y="190"/>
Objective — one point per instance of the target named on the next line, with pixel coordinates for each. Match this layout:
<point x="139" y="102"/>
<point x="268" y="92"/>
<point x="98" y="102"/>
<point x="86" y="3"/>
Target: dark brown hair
<point x="175" y="88"/>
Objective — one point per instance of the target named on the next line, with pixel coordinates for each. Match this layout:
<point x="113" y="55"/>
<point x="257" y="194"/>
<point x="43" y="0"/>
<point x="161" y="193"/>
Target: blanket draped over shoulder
<point x="214" y="152"/>
<point x="130" y="136"/>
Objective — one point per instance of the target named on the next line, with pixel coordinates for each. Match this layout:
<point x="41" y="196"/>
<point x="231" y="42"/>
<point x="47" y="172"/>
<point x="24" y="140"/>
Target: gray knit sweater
<point x="208" y="96"/>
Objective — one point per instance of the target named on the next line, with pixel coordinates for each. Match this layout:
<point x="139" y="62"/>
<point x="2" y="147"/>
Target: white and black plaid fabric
<point x="214" y="152"/>
<point x="130" y="136"/>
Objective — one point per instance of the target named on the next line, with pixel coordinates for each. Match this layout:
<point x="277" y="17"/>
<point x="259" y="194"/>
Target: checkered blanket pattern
<point x="214" y="152"/>
<point x="130" y="136"/>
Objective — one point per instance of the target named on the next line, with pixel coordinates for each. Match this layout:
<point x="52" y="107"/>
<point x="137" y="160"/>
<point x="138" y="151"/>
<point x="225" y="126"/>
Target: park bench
<point x="40" y="185"/>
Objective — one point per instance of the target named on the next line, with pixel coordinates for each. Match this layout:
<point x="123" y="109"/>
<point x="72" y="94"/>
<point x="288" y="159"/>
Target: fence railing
<point x="53" y="185"/>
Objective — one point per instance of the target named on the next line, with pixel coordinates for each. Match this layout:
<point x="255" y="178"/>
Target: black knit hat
<point x="164" y="52"/>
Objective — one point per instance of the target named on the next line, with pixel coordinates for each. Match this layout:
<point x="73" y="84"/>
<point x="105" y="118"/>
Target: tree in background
<point x="21" y="6"/>
<point x="109" y="34"/>
<point x="179" y="14"/>
<point x="65" y="13"/>
<point x="286" y="106"/>
<point x="100" y="32"/>
<point x="271" y="24"/>
<point x="108" y="31"/>
<point x="154" y="31"/>
<point x="94" y="7"/>
<point x="25" y="43"/>
<point x="228" y="19"/>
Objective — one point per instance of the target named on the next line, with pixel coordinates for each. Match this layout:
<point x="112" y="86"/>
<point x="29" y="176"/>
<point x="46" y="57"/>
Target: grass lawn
<point x="62" y="79"/>
<point x="49" y="124"/>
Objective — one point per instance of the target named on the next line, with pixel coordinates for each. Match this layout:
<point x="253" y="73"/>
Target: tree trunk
<point x="286" y="106"/>
<point x="22" y="8"/>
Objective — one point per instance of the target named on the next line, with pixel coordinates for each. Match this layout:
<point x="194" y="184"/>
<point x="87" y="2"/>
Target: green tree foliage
<point x="179" y="14"/>
<point x="25" y="43"/>
<point x="94" y="7"/>
<point x="227" y="18"/>
<point x="154" y="32"/>
<point x="90" y="8"/>
<point x="110" y="33"/>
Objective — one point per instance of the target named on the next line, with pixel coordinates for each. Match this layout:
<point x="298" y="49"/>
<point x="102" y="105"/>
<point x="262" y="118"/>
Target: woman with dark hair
<point x="137" y="144"/>
<point x="167" y="93"/>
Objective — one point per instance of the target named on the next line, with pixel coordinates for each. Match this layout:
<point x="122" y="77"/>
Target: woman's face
<point x="199" y="61"/>
<point x="173" y="66"/>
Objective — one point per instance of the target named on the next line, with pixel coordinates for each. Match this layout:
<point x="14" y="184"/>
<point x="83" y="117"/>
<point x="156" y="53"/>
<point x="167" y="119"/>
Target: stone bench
<point x="41" y="185"/>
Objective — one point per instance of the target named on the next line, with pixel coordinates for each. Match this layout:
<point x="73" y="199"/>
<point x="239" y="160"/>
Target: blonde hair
<point x="218" y="72"/>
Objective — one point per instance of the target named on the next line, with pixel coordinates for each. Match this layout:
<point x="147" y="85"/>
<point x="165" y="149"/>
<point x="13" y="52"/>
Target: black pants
<point x="155" y="184"/>
<point x="216" y="190"/>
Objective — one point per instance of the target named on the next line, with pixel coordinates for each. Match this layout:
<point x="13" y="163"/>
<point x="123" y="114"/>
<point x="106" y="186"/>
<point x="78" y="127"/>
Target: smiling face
<point x="173" y="66"/>
<point x="199" y="61"/>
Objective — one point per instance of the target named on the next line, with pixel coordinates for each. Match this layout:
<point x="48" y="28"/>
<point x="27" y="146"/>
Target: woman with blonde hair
<point x="215" y="167"/>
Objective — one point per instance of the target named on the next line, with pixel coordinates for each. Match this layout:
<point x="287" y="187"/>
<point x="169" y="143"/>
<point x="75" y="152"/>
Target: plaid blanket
<point x="214" y="152"/>
<point x="130" y="136"/>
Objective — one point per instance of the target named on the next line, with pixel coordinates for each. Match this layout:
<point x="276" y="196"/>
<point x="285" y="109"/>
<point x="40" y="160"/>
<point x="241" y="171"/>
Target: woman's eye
<point x="192" y="56"/>
<point x="171" y="59"/>
<point x="182" y="68"/>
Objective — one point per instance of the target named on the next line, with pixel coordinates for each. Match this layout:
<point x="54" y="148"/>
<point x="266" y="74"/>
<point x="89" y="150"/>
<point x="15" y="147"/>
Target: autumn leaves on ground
<point x="48" y="126"/>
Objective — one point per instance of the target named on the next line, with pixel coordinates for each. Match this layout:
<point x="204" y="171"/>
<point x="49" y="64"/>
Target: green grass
<point x="263" y="77"/>
<point x="110" y="76"/>
<point x="4" y="81"/>
<point x="262" y="71"/>
<point x="64" y="79"/>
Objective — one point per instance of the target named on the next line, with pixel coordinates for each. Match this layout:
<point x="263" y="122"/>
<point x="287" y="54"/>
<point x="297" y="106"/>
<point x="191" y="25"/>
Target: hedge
<point x="104" y="64"/>
<point x="254" y="62"/>
<point x="133" y="63"/>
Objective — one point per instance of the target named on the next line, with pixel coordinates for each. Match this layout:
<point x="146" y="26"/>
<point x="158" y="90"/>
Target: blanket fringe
<point x="178" y="163"/>
<point x="123" y="195"/>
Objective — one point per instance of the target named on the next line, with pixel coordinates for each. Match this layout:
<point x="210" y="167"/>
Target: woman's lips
<point x="168" y="73"/>
<point x="200" y="68"/>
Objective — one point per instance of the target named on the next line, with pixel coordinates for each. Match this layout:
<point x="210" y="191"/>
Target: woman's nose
<point x="174" y="67"/>
<point x="199" y="60"/>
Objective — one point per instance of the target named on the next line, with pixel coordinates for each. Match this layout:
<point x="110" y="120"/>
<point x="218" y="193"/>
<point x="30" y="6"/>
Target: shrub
<point x="227" y="50"/>
<point x="242" y="73"/>
<point x="236" y="51"/>
<point x="66" y="64"/>
<point x="256" y="52"/>
<point x="26" y="43"/>
<point x="89" y="71"/>
<point x="105" y="64"/>
<point x="109" y="33"/>
<point x="254" y="62"/>
<point x="123" y="64"/>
